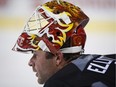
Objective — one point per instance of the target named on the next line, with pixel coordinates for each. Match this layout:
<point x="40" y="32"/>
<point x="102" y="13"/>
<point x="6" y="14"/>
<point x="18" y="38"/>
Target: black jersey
<point x="86" y="71"/>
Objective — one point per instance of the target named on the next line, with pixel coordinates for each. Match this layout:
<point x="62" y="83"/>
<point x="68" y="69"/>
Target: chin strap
<point x="74" y="49"/>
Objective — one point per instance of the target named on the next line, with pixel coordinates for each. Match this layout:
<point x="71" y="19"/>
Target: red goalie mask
<point x="54" y="26"/>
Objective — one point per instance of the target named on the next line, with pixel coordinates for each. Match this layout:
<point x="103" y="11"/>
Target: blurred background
<point x="14" y="69"/>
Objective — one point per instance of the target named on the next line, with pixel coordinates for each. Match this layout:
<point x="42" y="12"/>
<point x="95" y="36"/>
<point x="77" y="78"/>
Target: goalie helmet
<point x="54" y="26"/>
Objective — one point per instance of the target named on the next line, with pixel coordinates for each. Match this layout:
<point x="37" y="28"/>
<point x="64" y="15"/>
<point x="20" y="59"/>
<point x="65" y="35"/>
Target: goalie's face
<point x="43" y="66"/>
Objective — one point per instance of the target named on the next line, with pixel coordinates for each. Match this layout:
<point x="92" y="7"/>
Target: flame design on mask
<point x="66" y="26"/>
<point x="52" y="24"/>
<point x="27" y="41"/>
<point x="33" y="41"/>
<point x="62" y="38"/>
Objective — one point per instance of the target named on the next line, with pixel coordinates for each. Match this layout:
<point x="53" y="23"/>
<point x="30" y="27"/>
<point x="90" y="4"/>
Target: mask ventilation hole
<point x="50" y="39"/>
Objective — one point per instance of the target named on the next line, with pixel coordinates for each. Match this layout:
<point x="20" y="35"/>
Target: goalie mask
<point x="52" y="27"/>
